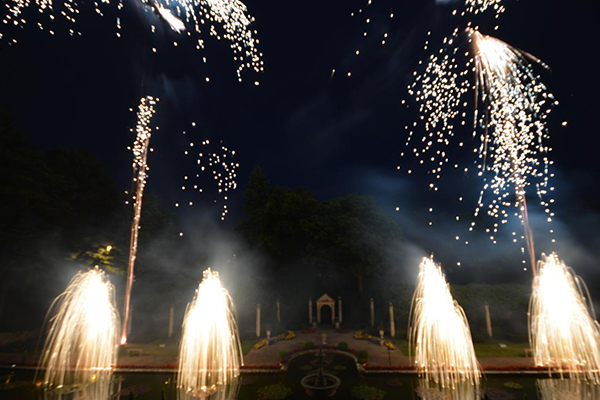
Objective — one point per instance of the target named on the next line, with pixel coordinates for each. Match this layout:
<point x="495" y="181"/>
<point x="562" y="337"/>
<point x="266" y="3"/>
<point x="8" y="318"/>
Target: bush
<point x="363" y="354"/>
<point x="283" y="355"/>
<point x="364" y="392"/>
<point x="274" y="392"/>
<point x="309" y="345"/>
<point x="343" y="346"/>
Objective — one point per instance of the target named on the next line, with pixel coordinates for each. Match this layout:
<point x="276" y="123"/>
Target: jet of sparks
<point x="564" y="333"/>
<point x="82" y="343"/>
<point x="567" y="389"/>
<point x="428" y="390"/>
<point x="439" y="331"/>
<point x="210" y="353"/>
<point x="175" y="23"/>
<point x="140" y="149"/>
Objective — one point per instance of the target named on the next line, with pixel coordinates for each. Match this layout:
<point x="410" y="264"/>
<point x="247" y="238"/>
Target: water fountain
<point x="320" y="385"/>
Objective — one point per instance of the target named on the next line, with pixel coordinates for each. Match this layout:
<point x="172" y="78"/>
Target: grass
<point x="488" y="348"/>
<point x="491" y="348"/>
<point x="247" y="345"/>
<point x="150" y="349"/>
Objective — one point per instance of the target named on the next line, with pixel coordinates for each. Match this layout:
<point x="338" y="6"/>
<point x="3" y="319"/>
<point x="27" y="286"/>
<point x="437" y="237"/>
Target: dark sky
<point x="334" y="136"/>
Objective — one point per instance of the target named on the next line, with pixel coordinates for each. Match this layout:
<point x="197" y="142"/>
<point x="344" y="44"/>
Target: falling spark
<point x="210" y="352"/>
<point x="140" y="168"/>
<point x="219" y="162"/>
<point x="510" y="117"/>
<point x="516" y="105"/>
<point x="175" y="23"/>
<point x="480" y="6"/>
<point x="197" y="16"/>
<point x="82" y="342"/>
<point x="439" y="331"/>
<point x="564" y="333"/>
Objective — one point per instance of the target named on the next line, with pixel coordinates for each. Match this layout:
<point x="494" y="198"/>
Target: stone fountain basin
<point x="320" y="392"/>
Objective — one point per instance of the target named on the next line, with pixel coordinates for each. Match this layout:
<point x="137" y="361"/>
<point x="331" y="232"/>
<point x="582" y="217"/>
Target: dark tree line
<point x="335" y="239"/>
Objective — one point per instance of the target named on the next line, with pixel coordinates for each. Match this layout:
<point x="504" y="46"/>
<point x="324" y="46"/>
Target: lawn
<point x="247" y="345"/>
<point x="150" y="349"/>
<point x="489" y="348"/>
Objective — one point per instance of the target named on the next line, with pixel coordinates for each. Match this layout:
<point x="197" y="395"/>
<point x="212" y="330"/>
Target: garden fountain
<point x="320" y="385"/>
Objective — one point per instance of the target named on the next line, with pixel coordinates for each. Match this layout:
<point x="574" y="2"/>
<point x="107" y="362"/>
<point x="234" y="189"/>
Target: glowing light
<point x="81" y="346"/>
<point x="219" y="162"/>
<point x="564" y="334"/>
<point x="439" y="331"/>
<point x="567" y="389"/>
<point x="461" y="391"/>
<point x="140" y="169"/>
<point x="210" y="353"/>
<point x="190" y="15"/>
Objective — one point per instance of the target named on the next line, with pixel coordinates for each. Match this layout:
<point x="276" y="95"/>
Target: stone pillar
<point x="372" y="313"/>
<point x="130" y="318"/>
<point x="488" y="320"/>
<point x="258" y="320"/>
<point x="171" y="313"/>
<point x="310" y="315"/>
<point x="340" y="309"/>
<point x="278" y="304"/>
<point x="392" y="323"/>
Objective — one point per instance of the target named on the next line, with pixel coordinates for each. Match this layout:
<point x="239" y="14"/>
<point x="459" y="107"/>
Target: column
<point x="310" y="314"/>
<point x="488" y="320"/>
<point x="392" y="323"/>
<point x="278" y="304"/>
<point x="372" y="313"/>
<point x="340" y="309"/>
<point x="258" y="320"/>
<point x="171" y="314"/>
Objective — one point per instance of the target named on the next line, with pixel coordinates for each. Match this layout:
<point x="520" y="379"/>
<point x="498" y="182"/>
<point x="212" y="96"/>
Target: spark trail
<point x="439" y="331"/>
<point x="80" y="350"/>
<point x="227" y="19"/>
<point x="210" y="353"/>
<point x="140" y="150"/>
<point x="564" y="333"/>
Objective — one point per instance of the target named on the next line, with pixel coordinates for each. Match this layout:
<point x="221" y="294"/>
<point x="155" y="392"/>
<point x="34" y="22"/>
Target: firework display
<point x="439" y="331"/>
<point x="80" y="350"/>
<point x="564" y="333"/>
<point x="210" y="353"/>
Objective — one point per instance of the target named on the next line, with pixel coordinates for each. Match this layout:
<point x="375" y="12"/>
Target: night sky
<point x="334" y="136"/>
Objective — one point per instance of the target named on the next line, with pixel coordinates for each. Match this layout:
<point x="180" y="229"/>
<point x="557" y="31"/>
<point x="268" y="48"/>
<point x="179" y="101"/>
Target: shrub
<point x="364" y="392"/>
<point x="283" y="355"/>
<point x="274" y="392"/>
<point x="343" y="346"/>
<point x="309" y="345"/>
<point x="363" y="354"/>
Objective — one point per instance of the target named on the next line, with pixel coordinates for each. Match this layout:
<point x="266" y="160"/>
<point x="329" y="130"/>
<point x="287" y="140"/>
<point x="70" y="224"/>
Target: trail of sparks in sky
<point x="210" y="353"/>
<point x="140" y="149"/>
<point x="510" y="117"/>
<point x="81" y="347"/>
<point x="563" y="334"/>
<point x="193" y="16"/>
<point x="439" y="331"/>
<point x="219" y="161"/>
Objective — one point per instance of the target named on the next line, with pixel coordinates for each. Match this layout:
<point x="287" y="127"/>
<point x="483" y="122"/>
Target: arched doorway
<point x="325" y="300"/>
<point x="326" y="315"/>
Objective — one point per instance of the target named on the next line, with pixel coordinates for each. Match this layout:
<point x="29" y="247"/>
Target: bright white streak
<point x="210" y="353"/>
<point x="82" y="343"/>
<point x="563" y="334"/>
<point x="439" y="331"/>
<point x="175" y="23"/>
<point x="567" y="389"/>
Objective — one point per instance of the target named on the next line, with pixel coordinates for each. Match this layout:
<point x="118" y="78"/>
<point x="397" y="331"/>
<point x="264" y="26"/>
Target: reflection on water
<point x="219" y="392"/>
<point x="99" y="390"/>
<point x="429" y="390"/>
<point x="567" y="389"/>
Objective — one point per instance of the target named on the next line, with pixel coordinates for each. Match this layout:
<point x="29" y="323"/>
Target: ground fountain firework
<point x="81" y="346"/>
<point x="564" y="334"/>
<point x="210" y="353"/>
<point x="439" y="331"/>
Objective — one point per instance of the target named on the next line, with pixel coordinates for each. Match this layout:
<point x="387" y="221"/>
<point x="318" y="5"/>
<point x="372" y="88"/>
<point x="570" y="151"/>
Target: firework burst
<point x="82" y="342"/>
<point x="439" y="331"/>
<point x="227" y="19"/>
<point x="564" y="333"/>
<point x="210" y="352"/>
